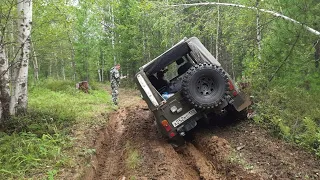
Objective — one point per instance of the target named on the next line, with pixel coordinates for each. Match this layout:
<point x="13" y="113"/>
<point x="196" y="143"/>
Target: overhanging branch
<point x="276" y="14"/>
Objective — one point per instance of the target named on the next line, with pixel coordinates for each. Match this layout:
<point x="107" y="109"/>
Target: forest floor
<point x="129" y="147"/>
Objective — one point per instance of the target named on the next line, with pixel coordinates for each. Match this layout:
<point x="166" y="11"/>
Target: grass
<point x="133" y="159"/>
<point x="40" y="143"/>
<point x="237" y="159"/>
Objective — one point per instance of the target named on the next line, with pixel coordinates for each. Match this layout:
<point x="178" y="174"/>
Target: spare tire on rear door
<point x="205" y="85"/>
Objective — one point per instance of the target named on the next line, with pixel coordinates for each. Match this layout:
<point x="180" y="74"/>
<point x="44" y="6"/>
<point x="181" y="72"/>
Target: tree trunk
<point x="232" y="66"/>
<point x="113" y="35"/>
<point x="102" y="68"/>
<point x="63" y="71"/>
<point x="50" y="67"/>
<point x="35" y="64"/>
<point x="317" y="53"/>
<point x="87" y="64"/>
<point x="19" y="99"/>
<point x="57" y="69"/>
<point x="4" y="84"/>
<point x="99" y="71"/>
<point x="73" y="65"/>
<point x="12" y="57"/>
<point x="218" y="31"/>
<point x="258" y="30"/>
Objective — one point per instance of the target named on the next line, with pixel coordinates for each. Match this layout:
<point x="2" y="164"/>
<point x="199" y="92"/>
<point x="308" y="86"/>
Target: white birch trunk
<point x="35" y="64"/>
<point x="232" y="66"/>
<point x="258" y="31"/>
<point x="144" y="46"/>
<point x="12" y="57"/>
<point x="102" y="68"/>
<point x="4" y="83"/>
<point x="99" y="75"/>
<point x="218" y="28"/>
<point x="276" y="14"/>
<point x="99" y="71"/>
<point x="113" y="35"/>
<point x="73" y="64"/>
<point x="63" y="71"/>
<point x="19" y="98"/>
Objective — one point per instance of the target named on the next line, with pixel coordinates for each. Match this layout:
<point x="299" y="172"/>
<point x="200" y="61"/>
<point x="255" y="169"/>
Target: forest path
<point x="130" y="148"/>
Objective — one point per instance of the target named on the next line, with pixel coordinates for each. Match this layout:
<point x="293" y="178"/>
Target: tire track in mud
<point x="158" y="159"/>
<point x="204" y="168"/>
<point x="205" y="157"/>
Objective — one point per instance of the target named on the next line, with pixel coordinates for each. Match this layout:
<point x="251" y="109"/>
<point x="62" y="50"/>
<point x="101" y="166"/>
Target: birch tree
<point x="218" y="32"/>
<point x="19" y="98"/>
<point x="4" y="82"/>
<point x="35" y="63"/>
<point x="258" y="30"/>
<point x="4" y="67"/>
<point x="273" y="13"/>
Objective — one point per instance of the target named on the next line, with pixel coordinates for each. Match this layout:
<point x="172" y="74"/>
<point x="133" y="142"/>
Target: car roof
<point x="176" y="52"/>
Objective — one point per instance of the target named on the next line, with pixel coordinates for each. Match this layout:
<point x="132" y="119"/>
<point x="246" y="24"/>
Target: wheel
<point x="205" y="85"/>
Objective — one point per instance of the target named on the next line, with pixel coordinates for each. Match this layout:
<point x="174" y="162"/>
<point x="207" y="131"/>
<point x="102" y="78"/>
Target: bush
<point x="293" y="113"/>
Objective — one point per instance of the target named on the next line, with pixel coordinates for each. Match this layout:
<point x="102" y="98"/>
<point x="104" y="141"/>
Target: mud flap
<point x="241" y="101"/>
<point x="177" y="141"/>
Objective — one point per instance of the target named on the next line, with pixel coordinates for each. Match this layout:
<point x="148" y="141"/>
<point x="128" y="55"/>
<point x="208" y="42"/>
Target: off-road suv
<point x="196" y="88"/>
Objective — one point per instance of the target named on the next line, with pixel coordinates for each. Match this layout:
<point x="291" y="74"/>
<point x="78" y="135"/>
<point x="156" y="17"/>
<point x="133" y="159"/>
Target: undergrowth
<point x="39" y="143"/>
<point x="293" y="113"/>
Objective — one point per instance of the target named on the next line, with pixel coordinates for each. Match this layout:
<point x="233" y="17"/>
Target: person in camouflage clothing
<point x="115" y="81"/>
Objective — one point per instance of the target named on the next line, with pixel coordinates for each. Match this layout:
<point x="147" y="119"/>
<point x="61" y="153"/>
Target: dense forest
<point x="273" y="45"/>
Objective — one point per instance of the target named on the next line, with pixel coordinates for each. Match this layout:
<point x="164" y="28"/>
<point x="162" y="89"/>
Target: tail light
<point x="166" y="125"/>
<point x="231" y="87"/>
<point x="172" y="134"/>
<point x="235" y="93"/>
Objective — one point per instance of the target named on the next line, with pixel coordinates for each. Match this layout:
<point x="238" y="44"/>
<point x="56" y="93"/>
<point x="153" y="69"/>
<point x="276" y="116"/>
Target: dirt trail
<point x="130" y="148"/>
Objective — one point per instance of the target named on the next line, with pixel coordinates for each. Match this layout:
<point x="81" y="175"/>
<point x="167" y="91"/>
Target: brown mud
<point x="130" y="148"/>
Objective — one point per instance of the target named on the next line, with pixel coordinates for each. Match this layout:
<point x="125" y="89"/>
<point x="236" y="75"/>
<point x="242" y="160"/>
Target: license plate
<point x="184" y="117"/>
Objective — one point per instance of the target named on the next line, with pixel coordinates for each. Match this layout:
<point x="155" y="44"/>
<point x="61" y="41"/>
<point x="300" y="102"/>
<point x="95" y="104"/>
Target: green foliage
<point x="25" y="153"/>
<point x="56" y="85"/>
<point x="70" y="103"/>
<point x="292" y="113"/>
<point x="133" y="159"/>
<point x="51" y="174"/>
<point x="78" y="40"/>
<point x="40" y="142"/>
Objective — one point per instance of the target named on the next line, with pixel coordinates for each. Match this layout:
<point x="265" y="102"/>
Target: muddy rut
<point x="130" y="148"/>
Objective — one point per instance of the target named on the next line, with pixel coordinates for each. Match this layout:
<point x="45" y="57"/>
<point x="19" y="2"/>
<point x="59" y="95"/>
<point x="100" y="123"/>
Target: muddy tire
<point x="205" y="86"/>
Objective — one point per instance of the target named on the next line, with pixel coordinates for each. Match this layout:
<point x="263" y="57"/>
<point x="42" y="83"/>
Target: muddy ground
<point x="130" y="148"/>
